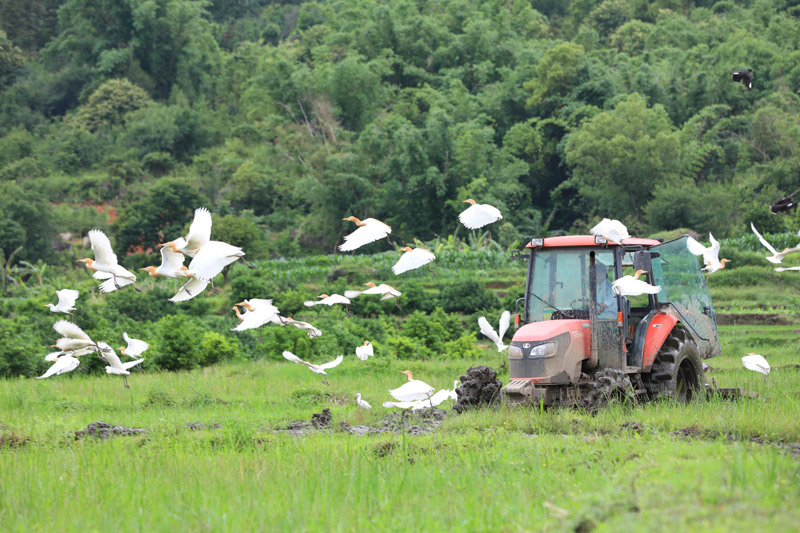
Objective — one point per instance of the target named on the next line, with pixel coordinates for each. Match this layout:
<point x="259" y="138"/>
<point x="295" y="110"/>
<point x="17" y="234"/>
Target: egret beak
<point x="469" y="201"/>
<point x="45" y="305"/>
<point x="406" y="249"/>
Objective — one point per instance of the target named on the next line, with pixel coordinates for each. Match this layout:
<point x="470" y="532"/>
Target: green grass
<point x="512" y="469"/>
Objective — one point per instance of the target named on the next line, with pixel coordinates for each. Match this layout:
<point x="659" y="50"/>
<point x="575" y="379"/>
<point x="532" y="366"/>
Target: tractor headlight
<point x="547" y="349"/>
<point x="514" y="352"/>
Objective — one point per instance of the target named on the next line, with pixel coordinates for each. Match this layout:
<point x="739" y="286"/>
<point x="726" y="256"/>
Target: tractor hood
<point x="550" y="351"/>
<point x="542" y="331"/>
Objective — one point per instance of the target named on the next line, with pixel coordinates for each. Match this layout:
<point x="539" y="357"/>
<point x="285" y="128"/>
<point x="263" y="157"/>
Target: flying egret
<point x="413" y="390"/>
<point x="115" y="366"/>
<point x="776" y="256"/>
<point x="171" y="265"/>
<point x="105" y="264"/>
<point x="63" y="364"/>
<point x="66" y="301"/>
<point x="362" y="403"/>
<point x="331" y="300"/>
<point x="199" y="235"/>
<point x="756" y="363"/>
<point x="710" y="254"/>
<point x="478" y="215"/>
<point x="308" y="328"/>
<point x="190" y="289"/>
<point x="365" y="351"/>
<point x="317" y="369"/>
<point x="369" y="230"/>
<point x="411" y="259"/>
<point x="134" y="348"/>
<point x="488" y="330"/>
<point x="784" y="269"/>
<point x="633" y="286"/>
<point x="257" y="313"/>
<point x="384" y="290"/>
<point x="72" y="337"/>
<point x="611" y="230"/>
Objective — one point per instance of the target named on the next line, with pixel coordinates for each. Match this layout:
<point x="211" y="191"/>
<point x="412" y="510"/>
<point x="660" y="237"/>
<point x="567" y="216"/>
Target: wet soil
<point x="194" y="426"/>
<point x="101" y="430"/>
<point x="769" y="319"/>
<point x="412" y="422"/>
<point x="479" y="386"/>
<point x="695" y="432"/>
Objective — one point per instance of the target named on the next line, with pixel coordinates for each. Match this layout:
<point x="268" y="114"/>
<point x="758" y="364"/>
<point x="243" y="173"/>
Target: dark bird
<point x="744" y="76"/>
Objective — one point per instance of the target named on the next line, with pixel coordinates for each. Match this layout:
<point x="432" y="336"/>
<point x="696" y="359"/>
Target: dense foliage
<point x="296" y="114"/>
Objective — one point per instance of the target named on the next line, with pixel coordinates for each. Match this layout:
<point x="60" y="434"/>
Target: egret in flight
<point x="105" y="264"/>
<point x="488" y="330"/>
<point x="317" y="369"/>
<point x="478" y="215"/>
<point x="66" y="301"/>
<point x="369" y="230"/>
<point x="411" y="259"/>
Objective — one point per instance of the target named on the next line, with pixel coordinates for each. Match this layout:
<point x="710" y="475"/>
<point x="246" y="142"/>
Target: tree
<point x="556" y="73"/>
<point x="109" y="104"/>
<point x="618" y="156"/>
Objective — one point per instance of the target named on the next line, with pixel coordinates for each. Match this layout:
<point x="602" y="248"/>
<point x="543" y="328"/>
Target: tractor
<point x="577" y="342"/>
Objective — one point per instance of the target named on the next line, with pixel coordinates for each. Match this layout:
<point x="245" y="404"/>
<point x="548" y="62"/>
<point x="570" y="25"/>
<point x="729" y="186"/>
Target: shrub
<point x="215" y="348"/>
<point x="176" y="342"/>
<point x="466" y="296"/>
<point x="462" y="348"/>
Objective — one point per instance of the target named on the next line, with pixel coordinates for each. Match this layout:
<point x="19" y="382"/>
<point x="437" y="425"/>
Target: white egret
<point x="411" y="259"/>
<point x="66" y="301"/>
<point x="257" y="313"/>
<point x="213" y="257"/>
<point x="317" y="369"/>
<point x="63" y="364"/>
<point x="612" y="230"/>
<point x="784" y="269"/>
<point x="384" y="290"/>
<point x="134" y="348"/>
<point x="633" y="286"/>
<point x="171" y="265"/>
<point x="362" y="403"/>
<point x="190" y="289"/>
<point x="478" y="215"/>
<point x="365" y="351"/>
<point x="776" y="256"/>
<point x="756" y="363"/>
<point x="105" y="264"/>
<point x="488" y="330"/>
<point x="308" y="328"/>
<point x="413" y="390"/>
<point x="72" y="337"/>
<point x="199" y="235"/>
<point x="369" y="230"/>
<point x="710" y="254"/>
<point x="333" y="299"/>
<point x="115" y="366"/>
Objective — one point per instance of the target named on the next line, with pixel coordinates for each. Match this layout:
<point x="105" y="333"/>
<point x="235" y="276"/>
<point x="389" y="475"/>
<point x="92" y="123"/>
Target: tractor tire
<point x="677" y="371"/>
<point x="607" y="387"/>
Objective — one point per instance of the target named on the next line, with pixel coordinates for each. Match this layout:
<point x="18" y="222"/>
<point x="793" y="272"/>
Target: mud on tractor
<point x="577" y="342"/>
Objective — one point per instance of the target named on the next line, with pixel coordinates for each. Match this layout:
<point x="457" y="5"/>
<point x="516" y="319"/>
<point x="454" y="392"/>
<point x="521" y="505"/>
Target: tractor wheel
<point x="677" y="371"/>
<point x="607" y="387"/>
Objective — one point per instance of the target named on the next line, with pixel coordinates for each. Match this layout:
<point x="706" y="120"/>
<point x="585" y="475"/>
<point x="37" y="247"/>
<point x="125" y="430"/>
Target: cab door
<point x="685" y="293"/>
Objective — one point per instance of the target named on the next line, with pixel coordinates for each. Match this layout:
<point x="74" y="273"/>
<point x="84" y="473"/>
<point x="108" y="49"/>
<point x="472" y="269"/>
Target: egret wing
<point x="200" y="230"/>
<point x="335" y="362"/>
<point x="488" y="330"/>
<point x="782" y="269"/>
<point x="67" y="329"/>
<point x="756" y="363"/>
<point x="695" y="247"/>
<point x="101" y="247"/>
<point x="479" y="215"/>
<point x="373" y="230"/>
<point x="67" y="297"/>
<point x="353" y="294"/>
<point x="411" y="260"/>
<point x="213" y="257"/>
<point x="53" y="356"/>
<point x="170" y="260"/>
<point x="62" y="365"/>
<point x="110" y="285"/>
<point x="289" y="356"/>
<point x="131" y="364"/>
<point x="190" y="289"/>
<point x="135" y="346"/>
<point x="505" y="321"/>
<point x="763" y="241"/>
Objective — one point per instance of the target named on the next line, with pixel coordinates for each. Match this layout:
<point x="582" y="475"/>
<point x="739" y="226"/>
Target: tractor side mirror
<point x="516" y="255"/>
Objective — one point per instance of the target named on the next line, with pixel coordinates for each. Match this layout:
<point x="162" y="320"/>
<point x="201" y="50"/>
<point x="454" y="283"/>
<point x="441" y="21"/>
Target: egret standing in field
<point x="369" y="230"/>
<point x="411" y="259"/>
<point x="478" y="215"/>
<point x="105" y="264"/>
<point x="488" y="330"/>
<point x="317" y="369"/>
<point x="362" y="403"/>
<point x="115" y="366"/>
<point x="710" y="254"/>
<point x="365" y="351"/>
<point x="66" y="301"/>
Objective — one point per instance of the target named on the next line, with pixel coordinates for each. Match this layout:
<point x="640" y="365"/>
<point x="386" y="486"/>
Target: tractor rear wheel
<point x="677" y="371"/>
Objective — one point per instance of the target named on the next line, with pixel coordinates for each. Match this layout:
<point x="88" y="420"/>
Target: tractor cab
<point x="573" y="324"/>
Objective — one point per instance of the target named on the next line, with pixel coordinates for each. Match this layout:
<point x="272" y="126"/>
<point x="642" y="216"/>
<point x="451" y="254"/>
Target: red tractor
<point x="580" y="343"/>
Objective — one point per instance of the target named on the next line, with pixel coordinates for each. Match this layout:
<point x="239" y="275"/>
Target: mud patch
<point x="634" y="427"/>
<point x="694" y="432"/>
<point x="416" y="422"/>
<point x="479" y="386"/>
<point x="319" y="421"/>
<point x="101" y="430"/>
<point x="194" y="426"/>
<point x="770" y="319"/>
<point x="11" y="440"/>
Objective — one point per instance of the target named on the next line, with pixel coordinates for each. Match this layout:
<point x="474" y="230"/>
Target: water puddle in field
<point x="101" y="430"/>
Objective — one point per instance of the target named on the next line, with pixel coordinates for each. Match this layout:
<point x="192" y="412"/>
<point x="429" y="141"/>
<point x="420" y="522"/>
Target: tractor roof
<point x="589" y="240"/>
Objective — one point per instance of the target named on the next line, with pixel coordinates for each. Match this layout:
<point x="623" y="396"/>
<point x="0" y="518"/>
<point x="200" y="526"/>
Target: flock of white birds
<point x="209" y="258"/>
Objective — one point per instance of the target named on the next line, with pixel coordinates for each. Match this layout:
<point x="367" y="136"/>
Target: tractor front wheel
<point x="677" y="371"/>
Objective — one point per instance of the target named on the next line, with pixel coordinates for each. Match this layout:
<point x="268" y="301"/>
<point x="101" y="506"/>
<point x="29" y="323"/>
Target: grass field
<point x="712" y="465"/>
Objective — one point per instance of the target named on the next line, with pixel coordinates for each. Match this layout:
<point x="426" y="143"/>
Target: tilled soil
<point x="413" y="422"/>
<point x="695" y="432"/>
<point x="101" y="430"/>
<point x="479" y="386"/>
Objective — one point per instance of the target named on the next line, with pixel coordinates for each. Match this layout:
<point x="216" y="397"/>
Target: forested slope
<point x="285" y="117"/>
